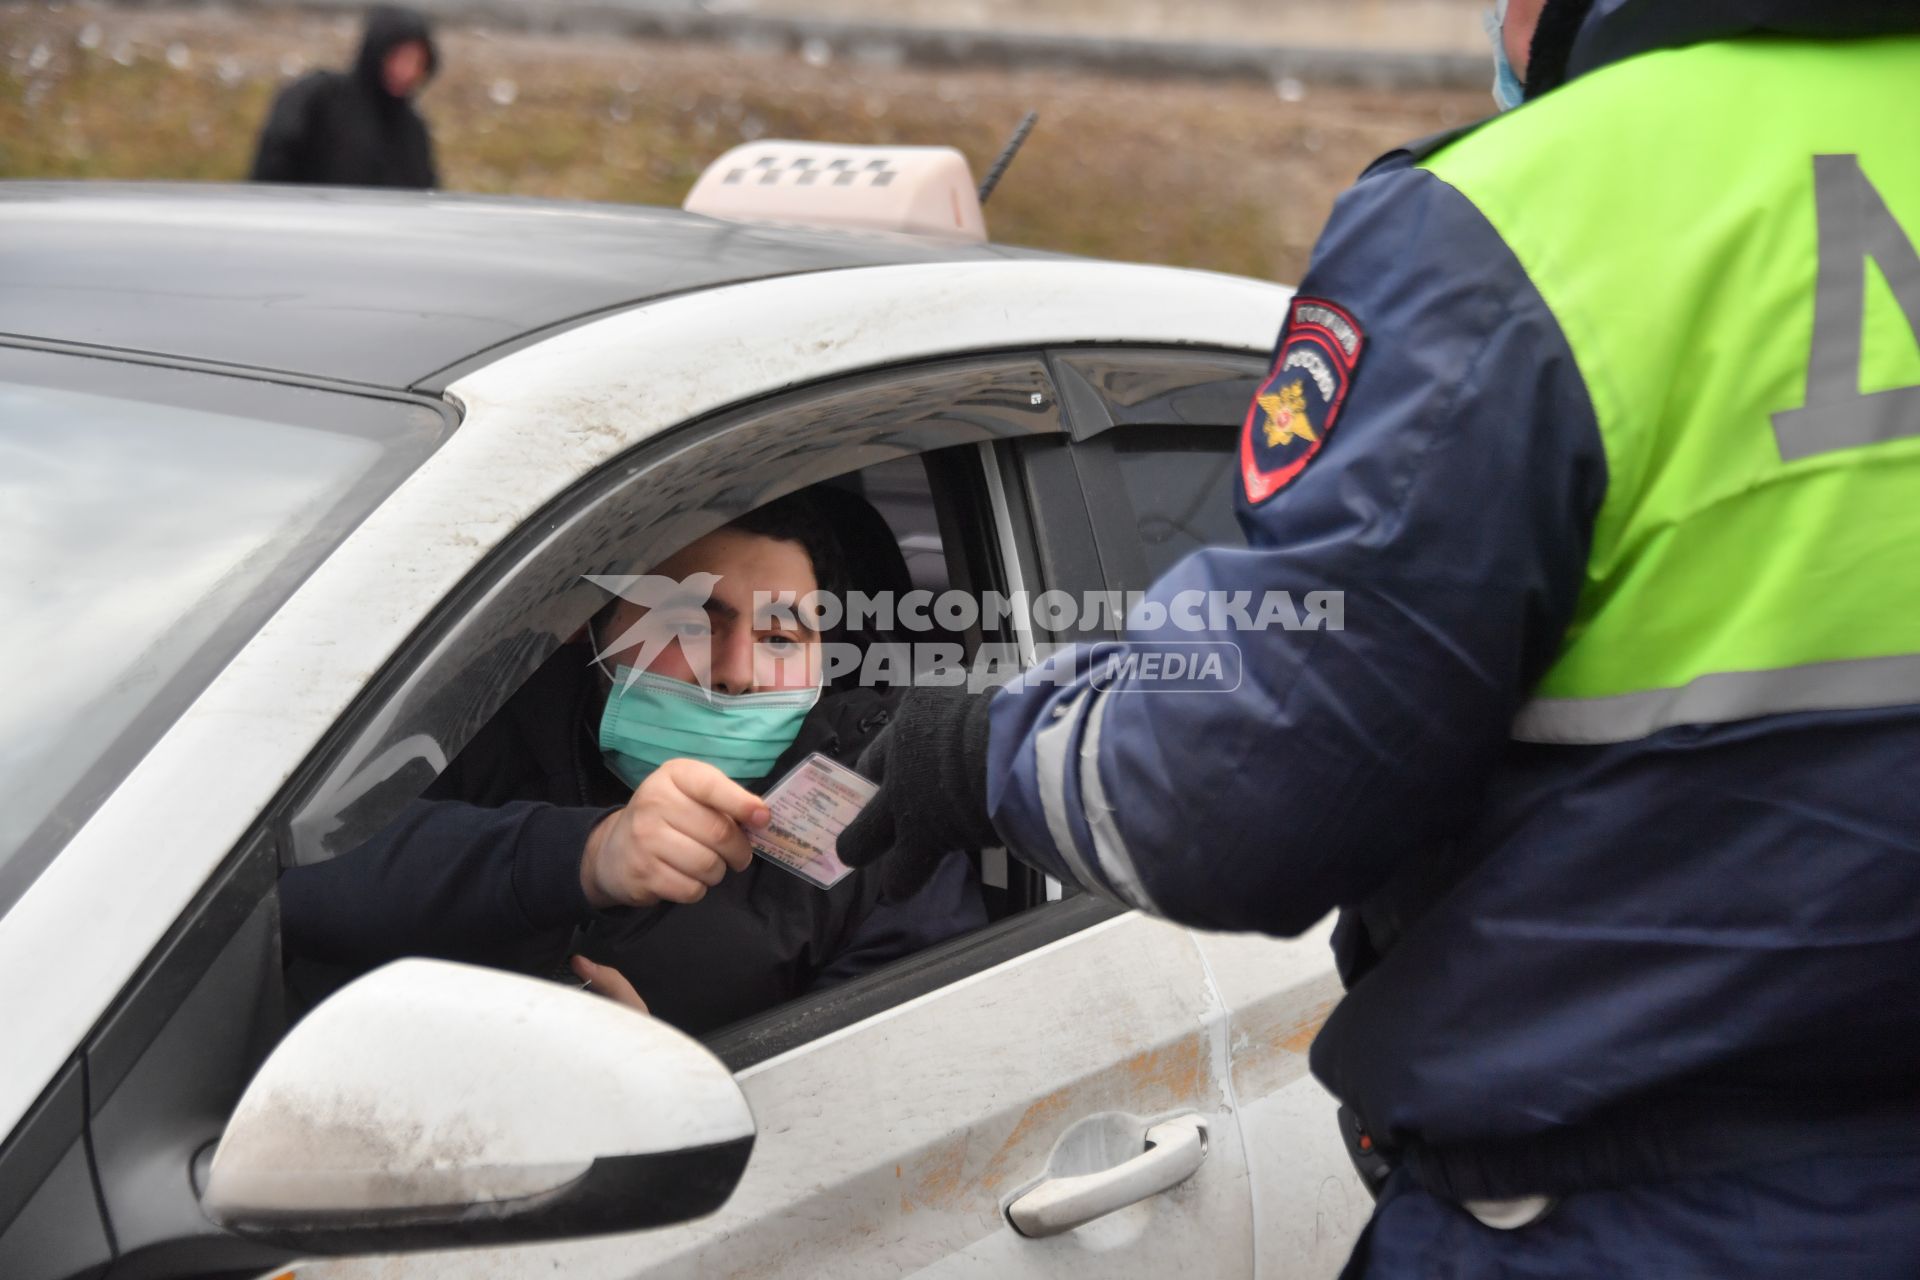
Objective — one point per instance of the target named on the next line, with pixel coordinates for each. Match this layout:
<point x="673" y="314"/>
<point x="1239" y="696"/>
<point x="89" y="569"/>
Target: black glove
<point x="931" y="764"/>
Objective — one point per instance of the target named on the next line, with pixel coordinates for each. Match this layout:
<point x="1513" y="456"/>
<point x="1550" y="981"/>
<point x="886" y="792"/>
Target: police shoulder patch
<point x="1297" y="405"/>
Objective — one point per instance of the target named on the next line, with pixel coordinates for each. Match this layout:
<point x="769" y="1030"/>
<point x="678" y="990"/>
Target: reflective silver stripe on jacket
<point x="1112" y="873"/>
<point x="1722" y="698"/>
<point x="1109" y="847"/>
<point x="1050" y="764"/>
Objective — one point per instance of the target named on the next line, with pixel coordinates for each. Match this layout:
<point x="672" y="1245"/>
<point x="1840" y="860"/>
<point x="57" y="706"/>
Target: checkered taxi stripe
<point x="804" y="171"/>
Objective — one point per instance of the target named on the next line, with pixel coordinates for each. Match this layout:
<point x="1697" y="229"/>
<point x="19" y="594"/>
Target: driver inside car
<point x="600" y="817"/>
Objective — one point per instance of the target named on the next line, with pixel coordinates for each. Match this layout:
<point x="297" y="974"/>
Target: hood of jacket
<point x="389" y="27"/>
<point x="1578" y="36"/>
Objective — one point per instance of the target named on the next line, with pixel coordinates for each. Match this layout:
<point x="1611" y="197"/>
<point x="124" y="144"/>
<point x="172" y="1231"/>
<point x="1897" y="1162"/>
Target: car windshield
<point x="153" y="519"/>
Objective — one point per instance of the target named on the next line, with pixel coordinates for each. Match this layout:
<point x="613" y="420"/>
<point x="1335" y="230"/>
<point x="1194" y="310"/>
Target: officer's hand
<point x="609" y="982"/>
<point x="681" y="833"/>
<point x="931" y="764"/>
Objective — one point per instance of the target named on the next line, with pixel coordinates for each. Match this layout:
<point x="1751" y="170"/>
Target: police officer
<point x="1604" y="415"/>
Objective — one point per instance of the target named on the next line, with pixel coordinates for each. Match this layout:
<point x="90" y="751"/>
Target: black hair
<point x="802" y="518"/>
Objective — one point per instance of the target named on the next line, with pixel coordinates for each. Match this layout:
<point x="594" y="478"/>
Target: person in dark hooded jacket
<point x="357" y="128"/>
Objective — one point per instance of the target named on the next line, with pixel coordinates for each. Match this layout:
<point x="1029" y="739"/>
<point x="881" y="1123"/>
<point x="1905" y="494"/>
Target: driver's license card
<point x="811" y="806"/>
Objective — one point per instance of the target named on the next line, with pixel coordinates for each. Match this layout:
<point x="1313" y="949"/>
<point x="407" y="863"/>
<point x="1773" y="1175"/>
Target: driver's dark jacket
<point x="485" y="868"/>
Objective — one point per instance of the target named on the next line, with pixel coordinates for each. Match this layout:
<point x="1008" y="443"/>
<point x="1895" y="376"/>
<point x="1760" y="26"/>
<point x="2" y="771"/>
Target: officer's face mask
<point x="1508" y="92"/>
<point x="651" y="719"/>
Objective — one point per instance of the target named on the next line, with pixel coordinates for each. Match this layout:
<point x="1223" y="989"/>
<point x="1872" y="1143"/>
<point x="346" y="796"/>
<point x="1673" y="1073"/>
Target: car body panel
<point x="537" y="421"/>
<point x="381" y="288"/>
<point x="887" y="1150"/>
<point x="1310" y="1202"/>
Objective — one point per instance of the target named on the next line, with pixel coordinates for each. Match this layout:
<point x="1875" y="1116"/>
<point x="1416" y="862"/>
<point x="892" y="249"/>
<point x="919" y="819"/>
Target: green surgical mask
<point x="651" y="719"/>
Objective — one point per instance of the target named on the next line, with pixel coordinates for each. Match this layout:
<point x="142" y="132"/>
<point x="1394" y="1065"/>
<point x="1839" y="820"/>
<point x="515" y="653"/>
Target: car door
<point x="1154" y="435"/>
<point x="900" y="1115"/>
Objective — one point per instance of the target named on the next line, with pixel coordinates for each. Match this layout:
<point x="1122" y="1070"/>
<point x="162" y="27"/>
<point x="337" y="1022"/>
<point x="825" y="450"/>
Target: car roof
<point x="392" y="289"/>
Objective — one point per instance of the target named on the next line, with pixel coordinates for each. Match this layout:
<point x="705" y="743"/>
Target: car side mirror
<point x="430" y="1105"/>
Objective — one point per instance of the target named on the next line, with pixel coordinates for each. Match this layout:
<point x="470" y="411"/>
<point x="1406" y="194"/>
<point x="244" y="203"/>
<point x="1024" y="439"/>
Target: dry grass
<point x="1226" y="177"/>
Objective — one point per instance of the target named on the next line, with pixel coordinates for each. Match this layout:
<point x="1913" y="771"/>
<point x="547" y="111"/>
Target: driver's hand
<point x="609" y="982"/>
<point x="684" y="829"/>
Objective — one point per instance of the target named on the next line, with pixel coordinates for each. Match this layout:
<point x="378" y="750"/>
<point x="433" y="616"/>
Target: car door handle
<point x="1174" y="1151"/>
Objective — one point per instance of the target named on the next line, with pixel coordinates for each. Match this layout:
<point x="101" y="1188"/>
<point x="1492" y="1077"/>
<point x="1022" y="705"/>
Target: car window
<point x="1154" y="436"/>
<point x="536" y="591"/>
<point x="154" y="518"/>
<point x="1155" y="494"/>
<point x="899" y="491"/>
<point x="1155" y="387"/>
<point x="912" y="446"/>
<point x="1177" y="483"/>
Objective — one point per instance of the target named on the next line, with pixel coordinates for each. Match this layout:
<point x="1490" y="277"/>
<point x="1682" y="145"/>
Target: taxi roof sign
<point x="916" y="190"/>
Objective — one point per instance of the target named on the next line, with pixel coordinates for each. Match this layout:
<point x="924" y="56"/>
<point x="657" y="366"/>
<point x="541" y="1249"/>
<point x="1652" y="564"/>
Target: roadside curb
<point x="899" y="44"/>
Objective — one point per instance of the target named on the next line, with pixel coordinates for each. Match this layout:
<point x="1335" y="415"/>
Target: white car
<point x="298" y="487"/>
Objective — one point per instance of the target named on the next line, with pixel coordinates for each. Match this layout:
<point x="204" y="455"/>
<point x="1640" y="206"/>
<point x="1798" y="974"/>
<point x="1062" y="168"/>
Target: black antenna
<point x="1007" y="153"/>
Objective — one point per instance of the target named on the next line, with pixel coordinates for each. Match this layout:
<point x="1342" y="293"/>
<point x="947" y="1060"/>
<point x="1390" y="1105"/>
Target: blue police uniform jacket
<point x="1534" y="937"/>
